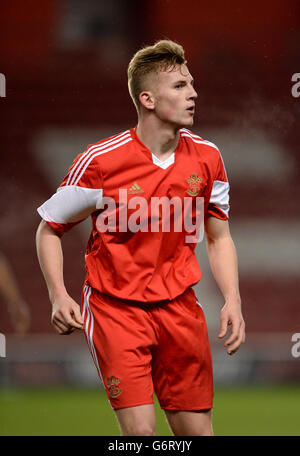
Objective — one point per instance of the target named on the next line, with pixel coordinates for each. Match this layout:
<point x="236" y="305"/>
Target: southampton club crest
<point x="194" y="182"/>
<point x="113" y="386"/>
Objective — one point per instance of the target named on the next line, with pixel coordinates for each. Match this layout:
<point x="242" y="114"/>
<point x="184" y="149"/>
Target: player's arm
<point x="9" y="289"/>
<point x="224" y="266"/>
<point x="66" y="315"/>
<point x="75" y="200"/>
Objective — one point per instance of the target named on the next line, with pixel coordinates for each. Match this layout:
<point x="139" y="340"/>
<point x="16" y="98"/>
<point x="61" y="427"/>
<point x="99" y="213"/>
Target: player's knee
<point x="207" y="432"/>
<point x="142" y="429"/>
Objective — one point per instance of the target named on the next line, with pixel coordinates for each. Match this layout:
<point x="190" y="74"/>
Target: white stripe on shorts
<point x="89" y="332"/>
<point x="197" y="302"/>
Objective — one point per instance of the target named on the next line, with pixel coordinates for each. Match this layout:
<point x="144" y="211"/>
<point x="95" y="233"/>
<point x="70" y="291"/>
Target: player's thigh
<point x="182" y="364"/>
<point x="139" y="420"/>
<point x="190" y="422"/>
<point x="120" y="339"/>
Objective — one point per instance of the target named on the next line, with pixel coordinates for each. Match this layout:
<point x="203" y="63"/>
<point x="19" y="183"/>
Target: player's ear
<point x="147" y="100"/>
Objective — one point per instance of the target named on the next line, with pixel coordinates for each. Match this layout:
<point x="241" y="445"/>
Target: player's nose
<point x="193" y="94"/>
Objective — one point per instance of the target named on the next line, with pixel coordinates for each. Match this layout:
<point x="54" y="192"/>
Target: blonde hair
<point x="162" y="55"/>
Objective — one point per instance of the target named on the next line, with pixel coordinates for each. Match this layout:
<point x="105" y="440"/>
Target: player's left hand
<point x="231" y="315"/>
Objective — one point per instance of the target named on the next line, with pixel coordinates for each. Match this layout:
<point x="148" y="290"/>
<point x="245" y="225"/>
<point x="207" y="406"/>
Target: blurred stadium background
<point x="65" y="66"/>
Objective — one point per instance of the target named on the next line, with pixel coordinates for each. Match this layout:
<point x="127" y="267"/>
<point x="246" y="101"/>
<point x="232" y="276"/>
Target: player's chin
<point x="187" y="122"/>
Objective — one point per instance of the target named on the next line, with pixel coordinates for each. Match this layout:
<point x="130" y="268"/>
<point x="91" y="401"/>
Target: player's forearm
<point x="50" y="255"/>
<point x="224" y="266"/>
<point x="8" y="284"/>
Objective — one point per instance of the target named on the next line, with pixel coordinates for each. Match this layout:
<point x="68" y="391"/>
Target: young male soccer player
<point x="144" y="326"/>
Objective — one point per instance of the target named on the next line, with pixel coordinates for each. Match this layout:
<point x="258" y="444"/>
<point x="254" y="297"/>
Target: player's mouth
<point x="191" y="109"/>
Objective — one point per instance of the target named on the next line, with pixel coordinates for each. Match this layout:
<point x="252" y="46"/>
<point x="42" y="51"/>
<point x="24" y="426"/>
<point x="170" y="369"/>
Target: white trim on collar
<point x="164" y="164"/>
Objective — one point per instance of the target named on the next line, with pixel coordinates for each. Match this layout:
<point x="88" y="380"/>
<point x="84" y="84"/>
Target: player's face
<point x="174" y="96"/>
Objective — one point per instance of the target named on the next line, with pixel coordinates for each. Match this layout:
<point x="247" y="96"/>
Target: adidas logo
<point x="135" y="188"/>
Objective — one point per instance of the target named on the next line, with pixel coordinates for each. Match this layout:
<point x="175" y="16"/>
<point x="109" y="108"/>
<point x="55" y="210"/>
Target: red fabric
<point x="145" y="266"/>
<point x="140" y="348"/>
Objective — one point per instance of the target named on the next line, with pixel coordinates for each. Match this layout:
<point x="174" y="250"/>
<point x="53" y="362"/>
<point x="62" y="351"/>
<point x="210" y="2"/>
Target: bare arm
<point x="66" y="315"/>
<point x="9" y="289"/>
<point x="224" y="266"/>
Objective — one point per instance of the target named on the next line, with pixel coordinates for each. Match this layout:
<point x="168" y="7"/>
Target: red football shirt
<point x="116" y="181"/>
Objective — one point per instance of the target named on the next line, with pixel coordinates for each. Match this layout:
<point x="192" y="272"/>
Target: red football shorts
<point x="139" y="348"/>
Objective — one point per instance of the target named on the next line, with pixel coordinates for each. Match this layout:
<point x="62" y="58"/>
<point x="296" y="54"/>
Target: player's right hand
<point x="66" y="316"/>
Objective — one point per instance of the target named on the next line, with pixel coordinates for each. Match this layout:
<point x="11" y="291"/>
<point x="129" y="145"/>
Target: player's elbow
<point x="216" y="243"/>
<point x="44" y="229"/>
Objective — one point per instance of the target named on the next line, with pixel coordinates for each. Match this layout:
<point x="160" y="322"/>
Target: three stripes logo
<point x="135" y="188"/>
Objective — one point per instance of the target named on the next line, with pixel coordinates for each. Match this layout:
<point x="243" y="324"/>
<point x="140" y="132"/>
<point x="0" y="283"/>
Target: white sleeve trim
<point x="220" y="196"/>
<point x="70" y="204"/>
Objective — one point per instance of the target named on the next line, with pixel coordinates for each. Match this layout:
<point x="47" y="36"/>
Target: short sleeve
<point x="219" y="198"/>
<point x="77" y="197"/>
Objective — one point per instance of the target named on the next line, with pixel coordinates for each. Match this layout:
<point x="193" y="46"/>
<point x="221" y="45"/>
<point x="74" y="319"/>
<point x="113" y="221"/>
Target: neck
<point x="160" y="138"/>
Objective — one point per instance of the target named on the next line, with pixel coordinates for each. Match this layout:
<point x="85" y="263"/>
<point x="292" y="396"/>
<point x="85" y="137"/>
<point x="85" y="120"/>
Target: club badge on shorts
<point x="113" y="386"/>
